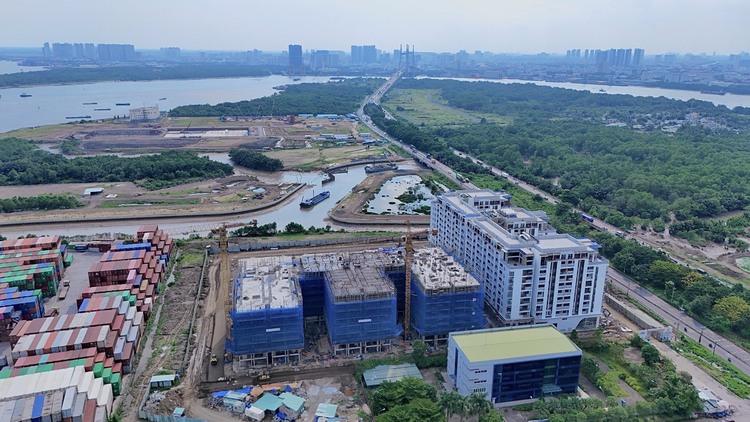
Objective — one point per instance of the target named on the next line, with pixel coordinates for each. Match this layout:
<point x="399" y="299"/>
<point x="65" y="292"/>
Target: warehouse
<point x="445" y="297"/>
<point x="513" y="365"/>
<point x="267" y="325"/>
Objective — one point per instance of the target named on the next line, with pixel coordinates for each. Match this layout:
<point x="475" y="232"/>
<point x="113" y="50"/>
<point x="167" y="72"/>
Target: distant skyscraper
<point x="356" y="52"/>
<point x="369" y="54"/>
<point x="116" y="52"/>
<point x="295" y="59"/>
<point x="638" y="57"/>
<point x="46" y="52"/>
<point x="628" y="56"/>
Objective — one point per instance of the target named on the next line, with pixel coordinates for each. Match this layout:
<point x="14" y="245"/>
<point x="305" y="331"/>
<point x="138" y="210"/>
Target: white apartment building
<point x="531" y="274"/>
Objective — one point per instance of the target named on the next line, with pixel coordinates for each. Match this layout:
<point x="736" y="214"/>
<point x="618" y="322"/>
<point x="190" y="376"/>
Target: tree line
<point x="254" y="160"/>
<point x="329" y="98"/>
<point x="75" y="75"/>
<point x="22" y="163"/>
<point x="38" y="203"/>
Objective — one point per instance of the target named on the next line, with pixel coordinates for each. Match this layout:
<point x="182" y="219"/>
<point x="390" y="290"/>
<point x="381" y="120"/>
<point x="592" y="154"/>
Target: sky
<point x="501" y="26"/>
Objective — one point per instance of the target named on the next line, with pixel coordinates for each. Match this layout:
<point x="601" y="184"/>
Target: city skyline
<point x="536" y="26"/>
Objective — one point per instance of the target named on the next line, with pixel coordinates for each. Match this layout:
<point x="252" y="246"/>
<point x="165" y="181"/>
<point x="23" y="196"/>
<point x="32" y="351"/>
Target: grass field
<point x="125" y="204"/>
<point x="33" y="133"/>
<point x="425" y="106"/>
<point x="744" y="263"/>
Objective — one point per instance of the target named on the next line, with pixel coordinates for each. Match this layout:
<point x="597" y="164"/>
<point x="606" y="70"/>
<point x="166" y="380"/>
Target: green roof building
<point x="512" y="365"/>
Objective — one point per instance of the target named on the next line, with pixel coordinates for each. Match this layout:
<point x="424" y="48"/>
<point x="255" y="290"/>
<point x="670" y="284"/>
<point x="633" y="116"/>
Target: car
<point x="214" y="359"/>
<point x="264" y="377"/>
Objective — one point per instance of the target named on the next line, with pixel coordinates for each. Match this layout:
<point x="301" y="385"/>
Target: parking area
<point x="78" y="275"/>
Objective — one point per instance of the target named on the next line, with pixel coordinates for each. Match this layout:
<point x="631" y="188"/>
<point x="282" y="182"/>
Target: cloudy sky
<point x="522" y="26"/>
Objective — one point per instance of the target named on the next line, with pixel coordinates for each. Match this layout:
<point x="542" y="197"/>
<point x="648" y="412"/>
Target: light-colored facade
<point x="144" y="113"/>
<point x="531" y="273"/>
<point x="513" y="364"/>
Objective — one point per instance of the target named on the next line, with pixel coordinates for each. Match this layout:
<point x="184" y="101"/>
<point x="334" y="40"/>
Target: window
<point x="479" y="390"/>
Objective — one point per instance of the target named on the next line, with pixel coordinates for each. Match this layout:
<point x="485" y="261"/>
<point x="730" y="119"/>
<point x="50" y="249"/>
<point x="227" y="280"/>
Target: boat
<point x="162" y="98"/>
<point x="713" y="91"/>
<point x="25" y="95"/>
<point x="122" y="104"/>
<point x="329" y="178"/>
<point x="601" y="90"/>
<point x="297" y="79"/>
<point x="377" y="168"/>
<point x="90" y="103"/>
<point x="78" y="117"/>
<point x="315" y="200"/>
<point x="102" y="109"/>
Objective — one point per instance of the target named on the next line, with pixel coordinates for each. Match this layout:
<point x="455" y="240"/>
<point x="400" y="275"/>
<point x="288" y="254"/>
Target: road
<point x="682" y="323"/>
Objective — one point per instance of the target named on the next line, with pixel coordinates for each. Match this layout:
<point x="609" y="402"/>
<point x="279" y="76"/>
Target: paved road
<point x="682" y="323"/>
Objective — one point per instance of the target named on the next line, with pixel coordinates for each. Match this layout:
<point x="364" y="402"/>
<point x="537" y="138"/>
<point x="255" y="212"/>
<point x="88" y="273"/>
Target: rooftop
<point x="513" y="344"/>
<point x="437" y="272"/>
<point x="268" y="282"/>
<point x="382" y="373"/>
<point x="384" y="258"/>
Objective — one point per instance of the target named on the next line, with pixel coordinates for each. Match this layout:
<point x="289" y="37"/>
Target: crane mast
<point x="407" y="282"/>
<point x="225" y="279"/>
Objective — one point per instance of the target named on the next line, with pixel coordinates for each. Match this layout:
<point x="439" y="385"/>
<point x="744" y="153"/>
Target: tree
<point x="293" y="228"/>
<point x="391" y="394"/>
<point x="418" y="410"/>
<point x="650" y="355"/>
<point x="491" y="417"/>
<point x="733" y="308"/>
<point x="477" y="404"/>
<point x="419" y="352"/>
<point x="452" y="403"/>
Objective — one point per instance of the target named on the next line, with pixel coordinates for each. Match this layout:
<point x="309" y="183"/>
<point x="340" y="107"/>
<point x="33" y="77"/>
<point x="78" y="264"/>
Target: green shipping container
<point x="107" y="375"/>
<point x="115" y="381"/>
<point x="68" y="260"/>
<point x="98" y="368"/>
<point x="5" y="373"/>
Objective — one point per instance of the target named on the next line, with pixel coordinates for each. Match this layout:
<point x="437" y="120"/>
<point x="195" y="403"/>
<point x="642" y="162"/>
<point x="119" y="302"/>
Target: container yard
<point x="71" y="366"/>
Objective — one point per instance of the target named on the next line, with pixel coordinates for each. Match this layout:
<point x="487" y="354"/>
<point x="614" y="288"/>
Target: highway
<point x="675" y="317"/>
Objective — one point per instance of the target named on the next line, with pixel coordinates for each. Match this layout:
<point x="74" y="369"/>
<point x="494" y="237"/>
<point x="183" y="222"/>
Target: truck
<point x="587" y="217"/>
<point x="63" y="290"/>
<point x="461" y="178"/>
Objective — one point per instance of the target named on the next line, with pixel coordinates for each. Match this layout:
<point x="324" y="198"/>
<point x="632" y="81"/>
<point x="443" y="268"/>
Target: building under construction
<point x="445" y="297"/>
<point x="266" y="312"/>
<point x="359" y="300"/>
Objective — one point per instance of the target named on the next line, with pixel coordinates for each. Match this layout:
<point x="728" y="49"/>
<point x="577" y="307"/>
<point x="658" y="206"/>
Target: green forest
<point x="67" y="75"/>
<point x="22" y="163"/>
<point x="333" y="97"/>
<point x="558" y="142"/>
<point x="254" y="160"/>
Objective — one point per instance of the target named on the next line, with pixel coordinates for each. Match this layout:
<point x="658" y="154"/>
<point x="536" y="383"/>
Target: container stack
<point x="35" y="250"/>
<point x="42" y="276"/>
<point x="161" y="242"/>
<point x="69" y="394"/>
<point x="18" y="305"/>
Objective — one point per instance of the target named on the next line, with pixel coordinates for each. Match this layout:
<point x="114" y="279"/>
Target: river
<point x="52" y="104"/>
<point x="291" y="212"/>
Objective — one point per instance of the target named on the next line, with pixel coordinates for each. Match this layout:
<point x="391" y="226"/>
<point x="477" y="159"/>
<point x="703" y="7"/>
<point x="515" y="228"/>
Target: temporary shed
<point x="255" y="413"/>
<point x="268" y="402"/>
<point x="326" y="410"/>
<point x="291" y="403"/>
<point x="392" y="373"/>
<point x="161" y="381"/>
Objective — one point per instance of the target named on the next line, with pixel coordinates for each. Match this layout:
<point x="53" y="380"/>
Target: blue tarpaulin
<point x="219" y="394"/>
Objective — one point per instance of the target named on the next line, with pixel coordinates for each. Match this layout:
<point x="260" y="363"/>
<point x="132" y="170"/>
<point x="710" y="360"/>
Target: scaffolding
<point x="445" y="297"/>
<point x="360" y="304"/>
<point x="267" y="321"/>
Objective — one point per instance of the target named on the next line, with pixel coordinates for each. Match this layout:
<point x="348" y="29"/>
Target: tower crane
<point x="407" y="282"/>
<point x="225" y="280"/>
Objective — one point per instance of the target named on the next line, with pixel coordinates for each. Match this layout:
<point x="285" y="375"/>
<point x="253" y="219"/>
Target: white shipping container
<point x="68" y="402"/>
<point x="28" y="409"/>
<point x="100" y="415"/>
<point x="131" y="313"/>
<point x="46" y="415"/>
<point x="18" y="409"/>
<point x="106" y="398"/>
<point x="56" y="409"/>
<point x="123" y="308"/>
<point x="96" y="386"/>
<point x="119" y="344"/>
<point x="138" y="319"/>
<point x="126" y="328"/>
<point x="101" y="339"/>
<point x="85" y="385"/>
<point x="6" y="411"/>
<point x="48" y="321"/>
<point x="133" y="336"/>
<point x="78" y="372"/>
<point x="78" y="407"/>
